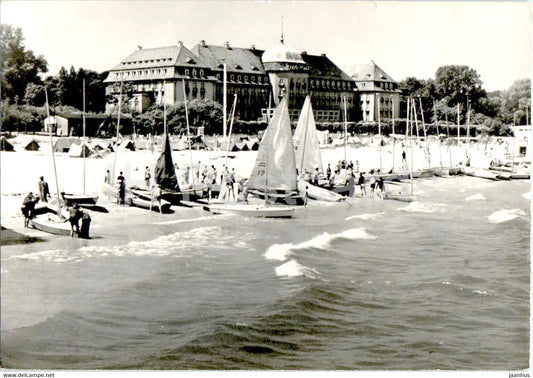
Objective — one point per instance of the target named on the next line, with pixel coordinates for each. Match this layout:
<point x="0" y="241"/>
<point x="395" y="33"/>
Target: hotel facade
<point x="259" y="78"/>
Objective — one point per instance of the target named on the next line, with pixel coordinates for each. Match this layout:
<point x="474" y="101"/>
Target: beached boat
<point x="259" y="211"/>
<point x="319" y="194"/>
<point x="51" y="224"/>
<point x="143" y="199"/>
<point x="273" y="177"/>
<point x="482" y="173"/>
<point x="80" y="199"/>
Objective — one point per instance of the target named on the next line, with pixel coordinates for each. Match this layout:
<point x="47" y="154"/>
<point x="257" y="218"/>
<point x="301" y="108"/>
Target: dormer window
<point x="237" y="67"/>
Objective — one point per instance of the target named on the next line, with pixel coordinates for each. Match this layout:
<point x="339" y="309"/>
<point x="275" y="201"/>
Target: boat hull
<point x="251" y="210"/>
<point x="143" y="199"/>
<point x="286" y="198"/>
<point x="51" y="225"/>
<point x="80" y="199"/>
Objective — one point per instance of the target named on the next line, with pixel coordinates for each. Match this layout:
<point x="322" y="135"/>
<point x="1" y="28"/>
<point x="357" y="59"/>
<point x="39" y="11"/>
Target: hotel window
<point x="218" y="76"/>
<point x="201" y="73"/>
<point x="239" y="78"/>
<point x="252" y="78"/>
<point x="245" y="78"/>
<point x="194" y="72"/>
<point x="186" y="72"/>
<point x="232" y="77"/>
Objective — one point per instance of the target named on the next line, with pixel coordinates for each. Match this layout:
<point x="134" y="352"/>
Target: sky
<point x="406" y="39"/>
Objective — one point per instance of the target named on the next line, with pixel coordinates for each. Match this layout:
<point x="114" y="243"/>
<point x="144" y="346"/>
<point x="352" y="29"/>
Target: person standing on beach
<point x="361" y="184"/>
<point x="147" y="177"/>
<point x="315" y="177"/>
<point x="85" y="224"/>
<point x="328" y="172"/>
<point x="121" y="189"/>
<point x="44" y="191"/>
<point x="107" y="178"/>
<point x="27" y="208"/>
<point x="74" y="219"/>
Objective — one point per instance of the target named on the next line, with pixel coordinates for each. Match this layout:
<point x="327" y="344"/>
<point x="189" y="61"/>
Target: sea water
<point x="440" y="283"/>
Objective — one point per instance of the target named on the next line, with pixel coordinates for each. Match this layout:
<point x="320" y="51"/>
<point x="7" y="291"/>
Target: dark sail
<point x="165" y="173"/>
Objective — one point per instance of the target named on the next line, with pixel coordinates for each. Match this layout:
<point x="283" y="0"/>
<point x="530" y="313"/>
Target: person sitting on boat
<point x="28" y="207"/>
<point x="74" y="219"/>
<point x="147" y="177"/>
<point x="85" y="224"/>
<point x="44" y="191"/>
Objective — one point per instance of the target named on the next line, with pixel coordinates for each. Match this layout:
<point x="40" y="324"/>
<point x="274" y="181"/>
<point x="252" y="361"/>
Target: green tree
<point x="457" y="85"/>
<point x="19" y="66"/>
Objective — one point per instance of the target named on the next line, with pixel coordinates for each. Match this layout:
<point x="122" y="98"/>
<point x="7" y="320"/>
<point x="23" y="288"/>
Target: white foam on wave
<point x="180" y="244"/>
<point x="293" y="269"/>
<point x="178" y="221"/>
<point x="475" y="197"/>
<point x="281" y="252"/>
<point x="365" y="216"/>
<point x="420" y="207"/>
<point x="505" y="215"/>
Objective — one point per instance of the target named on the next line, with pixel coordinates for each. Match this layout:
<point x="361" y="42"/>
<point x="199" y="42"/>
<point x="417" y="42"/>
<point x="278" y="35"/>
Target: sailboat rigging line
<point x="345" y="128"/>
<point x="53" y="154"/>
<point x="188" y="132"/>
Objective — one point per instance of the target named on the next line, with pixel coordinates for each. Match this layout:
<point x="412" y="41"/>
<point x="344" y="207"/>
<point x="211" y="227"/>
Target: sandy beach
<point x="21" y="169"/>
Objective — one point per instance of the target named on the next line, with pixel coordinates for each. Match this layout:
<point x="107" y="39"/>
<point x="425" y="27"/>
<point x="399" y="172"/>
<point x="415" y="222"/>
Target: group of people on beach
<point x="75" y="213"/>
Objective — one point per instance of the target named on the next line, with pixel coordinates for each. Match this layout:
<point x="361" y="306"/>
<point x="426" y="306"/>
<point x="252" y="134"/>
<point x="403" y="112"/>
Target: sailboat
<point x="56" y="223"/>
<point x="399" y="196"/>
<point x="81" y="199"/>
<point x="307" y="154"/>
<point x="274" y="174"/>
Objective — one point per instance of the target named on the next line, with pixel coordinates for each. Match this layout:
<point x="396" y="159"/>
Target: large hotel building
<point x="258" y="77"/>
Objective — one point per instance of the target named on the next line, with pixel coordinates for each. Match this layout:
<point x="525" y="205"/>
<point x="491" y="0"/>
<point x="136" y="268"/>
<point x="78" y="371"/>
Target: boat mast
<point x="413" y="110"/>
<point x="118" y="128"/>
<point x="188" y="132"/>
<point x="230" y="128"/>
<point x="425" y="135"/>
<point x="224" y="102"/>
<point x="379" y="130"/>
<point x="345" y="129"/>
<point x="83" y="140"/>
<point x="393" y="132"/>
<point x="53" y="154"/>
<point x="468" y="126"/>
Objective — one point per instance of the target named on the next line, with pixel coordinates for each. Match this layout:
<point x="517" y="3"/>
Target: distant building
<point x="522" y="142"/>
<point x="71" y="124"/>
<point x="378" y="93"/>
<point x="259" y="78"/>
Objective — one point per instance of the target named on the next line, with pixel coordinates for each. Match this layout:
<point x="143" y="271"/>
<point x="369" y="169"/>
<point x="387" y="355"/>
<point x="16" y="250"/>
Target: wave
<point x="420" y="207"/>
<point x="293" y="269"/>
<point x="505" y="215"/>
<point x="281" y="252"/>
<point x="365" y="216"/>
<point x="183" y="243"/>
<point x="475" y="197"/>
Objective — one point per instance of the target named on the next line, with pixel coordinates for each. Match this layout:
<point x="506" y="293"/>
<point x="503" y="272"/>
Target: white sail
<point x="275" y="167"/>
<point x="305" y="139"/>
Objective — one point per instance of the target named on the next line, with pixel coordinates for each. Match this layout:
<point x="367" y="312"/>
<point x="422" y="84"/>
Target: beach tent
<point x="5" y="145"/>
<point x="63" y="144"/>
<point x="32" y="146"/>
<point x="243" y="146"/>
<point x="236" y="147"/>
<point x="253" y="145"/>
<point x="126" y="145"/>
<point x="77" y="151"/>
<point x="198" y="143"/>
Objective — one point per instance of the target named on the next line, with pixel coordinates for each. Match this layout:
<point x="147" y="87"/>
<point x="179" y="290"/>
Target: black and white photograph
<point x="298" y="187"/>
